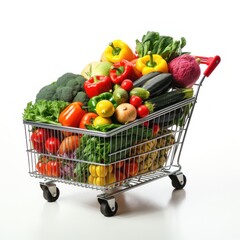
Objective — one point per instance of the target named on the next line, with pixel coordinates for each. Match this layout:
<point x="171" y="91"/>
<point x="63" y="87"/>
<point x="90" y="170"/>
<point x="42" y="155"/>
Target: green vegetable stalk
<point x="81" y="172"/>
<point x="107" y="150"/>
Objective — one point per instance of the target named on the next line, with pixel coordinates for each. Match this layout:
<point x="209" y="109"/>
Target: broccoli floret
<point x="47" y="92"/>
<point x="76" y="84"/>
<point x="64" y="89"/>
<point x="81" y="97"/>
<point x="64" y="94"/>
<point x="63" y="80"/>
<point x="81" y="80"/>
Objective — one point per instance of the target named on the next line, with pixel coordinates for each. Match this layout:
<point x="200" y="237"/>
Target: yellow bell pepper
<point x="117" y="51"/>
<point x="151" y="63"/>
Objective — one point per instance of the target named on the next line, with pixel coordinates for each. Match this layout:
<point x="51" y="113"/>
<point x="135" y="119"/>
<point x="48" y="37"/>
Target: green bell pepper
<point x="92" y="103"/>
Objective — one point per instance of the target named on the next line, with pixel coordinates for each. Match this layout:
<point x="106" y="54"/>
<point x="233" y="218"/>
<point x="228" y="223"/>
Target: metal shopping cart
<point x="119" y="160"/>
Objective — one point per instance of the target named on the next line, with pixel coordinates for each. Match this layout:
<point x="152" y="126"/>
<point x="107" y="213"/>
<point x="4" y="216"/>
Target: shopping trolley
<point x="118" y="160"/>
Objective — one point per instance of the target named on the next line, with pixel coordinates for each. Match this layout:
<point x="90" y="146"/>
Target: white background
<point x="41" y="40"/>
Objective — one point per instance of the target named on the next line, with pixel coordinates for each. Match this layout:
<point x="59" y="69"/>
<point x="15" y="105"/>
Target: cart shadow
<point x="131" y="204"/>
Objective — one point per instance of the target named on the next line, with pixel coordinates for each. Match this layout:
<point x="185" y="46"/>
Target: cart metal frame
<point x="171" y="167"/>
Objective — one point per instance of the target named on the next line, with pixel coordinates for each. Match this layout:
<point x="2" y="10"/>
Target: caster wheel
<point x="106" y="210"/>
<point x="48" y="195"/>
<point x="178" y="181"/>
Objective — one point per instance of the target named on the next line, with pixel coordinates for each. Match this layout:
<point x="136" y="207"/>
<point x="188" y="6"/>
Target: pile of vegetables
<point x="123" y="86"/>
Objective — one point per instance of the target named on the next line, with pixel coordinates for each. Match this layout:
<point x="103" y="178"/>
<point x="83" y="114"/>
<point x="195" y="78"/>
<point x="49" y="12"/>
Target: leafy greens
<point x="165" y="46"/>
<point x="44" y="111"/>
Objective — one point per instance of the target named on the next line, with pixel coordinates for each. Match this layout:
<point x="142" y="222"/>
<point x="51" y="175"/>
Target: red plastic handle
<point x="212" y="63"/>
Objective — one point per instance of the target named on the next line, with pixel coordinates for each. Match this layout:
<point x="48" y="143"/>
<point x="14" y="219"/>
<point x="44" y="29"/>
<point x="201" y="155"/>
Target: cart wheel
<point x="106" y="209"/>
<point x="178" y="181"/>
<point x="48" y="195"/>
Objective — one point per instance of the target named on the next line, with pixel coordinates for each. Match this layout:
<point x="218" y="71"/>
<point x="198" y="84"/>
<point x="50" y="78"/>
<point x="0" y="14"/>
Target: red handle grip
<point x="212" y="63"/>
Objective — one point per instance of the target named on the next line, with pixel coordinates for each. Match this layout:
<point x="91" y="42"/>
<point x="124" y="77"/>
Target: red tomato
<point x="142" y="111"/>
<point x="53" y="168"/>
<point x="39" y="135"/>
<point x="155" y="129"/>
<point x="87" y="119"/>
<point x="131" y="168"/>
<point x="41" y="166"/>
<point x="136" y="101"/>
<point x="146" y="124"/>
<point x="52" y="145"/>
<point x="39" y="147"/>
<point x="127" y="85"/>
<point x="118" y="164"/>
<point x="119" y="175"/>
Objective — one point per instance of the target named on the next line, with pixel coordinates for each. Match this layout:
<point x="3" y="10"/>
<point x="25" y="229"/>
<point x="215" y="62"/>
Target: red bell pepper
<point x="97" y="85"/>
<point x="122" y="70"/>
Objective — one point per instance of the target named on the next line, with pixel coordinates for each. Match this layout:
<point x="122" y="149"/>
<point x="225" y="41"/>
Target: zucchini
<point x="158" y="84"/>
<point x="140" y="81"/>
<point x="169" y="98"/>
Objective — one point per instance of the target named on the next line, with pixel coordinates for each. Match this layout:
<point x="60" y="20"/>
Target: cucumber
<point x="140" y="81"/>
<point x="169" y="98"/>
<point x="158" y="84"/>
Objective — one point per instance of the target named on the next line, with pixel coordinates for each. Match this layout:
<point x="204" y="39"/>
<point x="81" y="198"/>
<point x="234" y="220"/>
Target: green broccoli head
<point x="64" y="89"/>
<point x="63" y="80"/>
<point x="76" y="84"/>
<point x="46" y="92"/>
<point x="73" y="83"/>
<point x="81" y="97"/>
<point x="81" y="80"/>
<point x="64" y="94"/>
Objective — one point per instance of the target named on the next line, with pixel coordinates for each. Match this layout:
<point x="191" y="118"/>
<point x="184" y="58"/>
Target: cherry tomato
<point x="136" y="101"/>
<point x="131" y="168"/>
<point x="53" y="168"/>
<point x="127" y="85"/>
<point x="39" y="135"/>
<point x="142" y="111"/>
<point x="52" y="145"/>
<point x="87" y="119"/>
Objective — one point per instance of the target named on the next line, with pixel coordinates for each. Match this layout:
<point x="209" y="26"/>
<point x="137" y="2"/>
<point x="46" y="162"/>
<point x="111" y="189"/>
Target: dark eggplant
<point x="158" y="84"/>
<point x="140" y="81"/>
